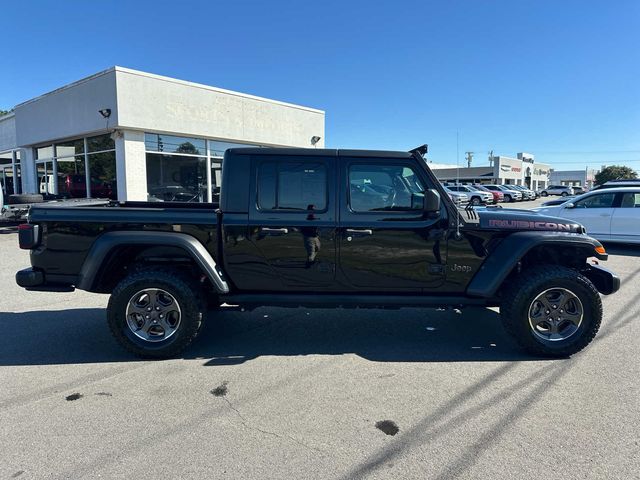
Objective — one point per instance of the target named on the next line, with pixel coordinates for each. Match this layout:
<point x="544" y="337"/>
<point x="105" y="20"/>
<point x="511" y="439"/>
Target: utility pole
<point x="469" y="157"/>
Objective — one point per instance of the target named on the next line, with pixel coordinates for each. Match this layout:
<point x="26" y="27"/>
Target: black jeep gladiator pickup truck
<point x="319" y="228"/>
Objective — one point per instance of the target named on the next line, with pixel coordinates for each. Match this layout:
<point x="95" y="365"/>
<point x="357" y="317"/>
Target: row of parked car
<point x="477" y="194"/>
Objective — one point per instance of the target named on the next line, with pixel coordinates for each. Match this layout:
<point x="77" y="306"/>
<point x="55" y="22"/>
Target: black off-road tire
<point x="181" y="287"/>
<point x="524" y="288"/>
<point x="21" y="198"/>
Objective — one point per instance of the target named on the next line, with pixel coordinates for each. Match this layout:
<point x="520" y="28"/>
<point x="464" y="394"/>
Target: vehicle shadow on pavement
<point x="407" y="335"/>
<point x="229" y="338"/>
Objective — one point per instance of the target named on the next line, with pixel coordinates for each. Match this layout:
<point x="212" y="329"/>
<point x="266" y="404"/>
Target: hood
<point x="511" y="219"/>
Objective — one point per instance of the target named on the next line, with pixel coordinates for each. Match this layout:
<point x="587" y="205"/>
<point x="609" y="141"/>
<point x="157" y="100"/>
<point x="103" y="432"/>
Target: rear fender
<point x="108" y="241"/>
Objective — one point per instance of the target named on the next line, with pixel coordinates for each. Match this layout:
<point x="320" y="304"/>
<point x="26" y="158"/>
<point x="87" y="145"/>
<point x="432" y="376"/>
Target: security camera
<point x="105" y="112"/>
<point x="315" y="139"/>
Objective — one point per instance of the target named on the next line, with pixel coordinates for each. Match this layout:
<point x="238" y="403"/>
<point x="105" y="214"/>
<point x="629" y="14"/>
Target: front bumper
<point x="33" y="279"/>
<point x="604" y="280"/>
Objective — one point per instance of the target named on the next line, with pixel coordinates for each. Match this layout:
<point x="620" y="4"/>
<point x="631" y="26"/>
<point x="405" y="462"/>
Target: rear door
<point x="386" y="243"/>
<point x="292" y="220"/>
<point x="625" y="222"/>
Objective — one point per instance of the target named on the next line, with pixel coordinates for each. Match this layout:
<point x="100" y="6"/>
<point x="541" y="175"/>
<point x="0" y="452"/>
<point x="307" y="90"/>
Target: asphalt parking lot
<point x="326" y="394"/>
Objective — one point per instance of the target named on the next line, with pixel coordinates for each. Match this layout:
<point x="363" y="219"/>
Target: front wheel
<point x="552" y="311"/>
<point x="564" y="194"/>
<point x="508" y="199"/>
<point x="544" y="194"/>
<point x="155" y="313"/>
<point x="475" y="201"/>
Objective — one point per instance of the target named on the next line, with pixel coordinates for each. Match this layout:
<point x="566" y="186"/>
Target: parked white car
<point x="609" y="215"/>
<point x="562" y="190"/>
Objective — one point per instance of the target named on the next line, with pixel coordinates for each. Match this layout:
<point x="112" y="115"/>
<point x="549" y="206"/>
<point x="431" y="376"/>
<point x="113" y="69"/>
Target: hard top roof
<point x="320" y="152"/>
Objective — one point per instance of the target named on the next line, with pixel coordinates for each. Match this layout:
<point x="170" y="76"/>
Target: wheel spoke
<point x="573" y="317"/>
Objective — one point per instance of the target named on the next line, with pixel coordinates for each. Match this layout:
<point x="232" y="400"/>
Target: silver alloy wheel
<point x="555" y="314"/>
<point x="153" y="314"/>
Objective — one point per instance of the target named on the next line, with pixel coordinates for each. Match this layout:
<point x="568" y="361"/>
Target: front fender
<point x="502" y="260"/>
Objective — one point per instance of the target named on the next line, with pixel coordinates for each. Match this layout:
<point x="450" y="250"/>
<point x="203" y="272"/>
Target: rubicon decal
<point x="527" y="225"/>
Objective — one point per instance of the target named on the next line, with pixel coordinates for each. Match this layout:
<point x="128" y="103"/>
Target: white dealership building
<point x="132" y="135"/>
<point x="522" y="170"/>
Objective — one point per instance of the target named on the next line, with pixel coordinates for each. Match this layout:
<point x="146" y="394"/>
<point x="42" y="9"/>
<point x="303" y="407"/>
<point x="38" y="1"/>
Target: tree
<point x="5" y="112"/>
<point x="615" y="172"/>
<point x="187" y="147"/>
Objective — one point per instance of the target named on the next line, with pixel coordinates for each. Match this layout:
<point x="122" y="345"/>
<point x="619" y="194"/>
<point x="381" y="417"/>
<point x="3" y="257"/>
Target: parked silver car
<point x="476" y="197"/>
<point x="459" y="198"/>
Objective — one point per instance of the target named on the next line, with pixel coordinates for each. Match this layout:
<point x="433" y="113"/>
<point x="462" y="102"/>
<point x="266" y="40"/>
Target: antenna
<point x="457" y="182"/>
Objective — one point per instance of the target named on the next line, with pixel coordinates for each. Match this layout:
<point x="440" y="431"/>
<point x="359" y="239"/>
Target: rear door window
<point x="292" y="186"/>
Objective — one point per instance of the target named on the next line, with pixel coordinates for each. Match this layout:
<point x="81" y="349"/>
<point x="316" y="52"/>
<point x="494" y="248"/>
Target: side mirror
<point x="431" y="201"/>
<point x="569" y="205"/>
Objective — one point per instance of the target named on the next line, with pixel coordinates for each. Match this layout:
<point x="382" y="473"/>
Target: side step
<point x="254" y="300"/>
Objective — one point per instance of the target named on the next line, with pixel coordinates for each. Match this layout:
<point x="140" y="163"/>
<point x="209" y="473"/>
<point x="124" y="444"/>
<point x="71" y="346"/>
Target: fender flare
<point x="501" y="261"/>
<point x="108" y="241"/>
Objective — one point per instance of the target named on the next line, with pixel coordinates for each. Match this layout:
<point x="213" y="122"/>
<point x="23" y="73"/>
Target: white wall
<point x="71" y="111"/>
<point x="154" y="103"/>
<point x="7" y="132"/>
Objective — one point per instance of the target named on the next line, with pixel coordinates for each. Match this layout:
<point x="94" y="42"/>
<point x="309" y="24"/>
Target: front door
<point x="386" y="243"/>
<point x="293" y="221"/>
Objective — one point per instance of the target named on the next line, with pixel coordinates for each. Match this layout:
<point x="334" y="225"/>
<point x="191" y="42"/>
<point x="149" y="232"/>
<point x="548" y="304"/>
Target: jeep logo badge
<point x="460" y="268"/>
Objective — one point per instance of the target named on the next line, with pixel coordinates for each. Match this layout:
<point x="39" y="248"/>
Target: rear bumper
<point x="604" y="280"/>
<point x="33" y="279"/>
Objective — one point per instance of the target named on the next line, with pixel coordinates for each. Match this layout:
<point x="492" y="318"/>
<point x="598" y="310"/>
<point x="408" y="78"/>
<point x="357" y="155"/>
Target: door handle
<point x="358" y="232"/>
<point x="274" y="231"/>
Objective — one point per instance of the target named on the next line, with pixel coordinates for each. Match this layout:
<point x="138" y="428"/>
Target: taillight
<point x="28" y="236"/>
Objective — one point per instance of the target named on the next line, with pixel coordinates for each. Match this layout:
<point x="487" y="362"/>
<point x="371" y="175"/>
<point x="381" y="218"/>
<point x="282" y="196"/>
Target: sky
<point x="559" y="79"/>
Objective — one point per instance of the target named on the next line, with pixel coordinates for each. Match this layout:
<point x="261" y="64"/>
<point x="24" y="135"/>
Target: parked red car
<point x="75" y="186"/>
<point x="497" y="196"/>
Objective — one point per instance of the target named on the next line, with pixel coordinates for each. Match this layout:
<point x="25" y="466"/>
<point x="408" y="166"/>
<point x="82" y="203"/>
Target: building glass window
<point x="46" y="178"/>
<point x="217" y="148"/>
<point x="176" y="178"/>
<point x="71" y="148"/>
<point x="102" y="174"/>
<point x="71" y="172"/>
<point x="157" y="142"/>
<point x="8" y="183"/>
<point x="100" y="143"/>
<point x="44" y="152"/>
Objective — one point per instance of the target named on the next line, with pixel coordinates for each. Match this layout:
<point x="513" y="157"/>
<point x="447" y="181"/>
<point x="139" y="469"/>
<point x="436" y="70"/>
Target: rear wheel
<point x="564" y="194"/>
<point x="544" y="194"/>
<point x="155" y="313"/>
<point x="552" y="311"/>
